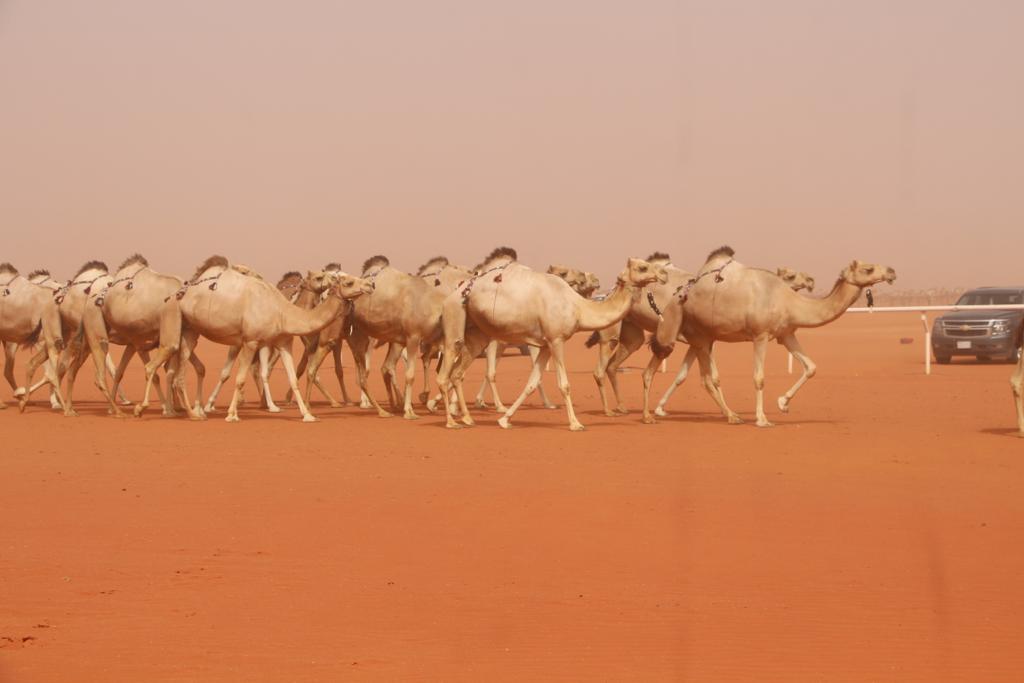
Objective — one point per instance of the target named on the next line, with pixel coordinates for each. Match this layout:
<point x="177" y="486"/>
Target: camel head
<point x="319" y="281"/>
<point x="795" y="279"/>
<point x="862" y="274"/>
<point x="349" y="286"/>
<point x="574" y="278"/>
<point x="640" y="273"/>
<point x="591" y="284"/>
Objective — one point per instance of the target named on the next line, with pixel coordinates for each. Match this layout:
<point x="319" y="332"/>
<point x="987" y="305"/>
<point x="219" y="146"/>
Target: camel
<point x="727" y="301"/>
<point x="403" y="311"/>
<point x="138" y="308"/>
<point x="28" y="312"/>
<point x="585" y="284"/>
<point x="228" y="307"/>
<point x="618" y="342"/>
<point x="301" y="291"/>
<point x="795" y="280"/>
<point x="514" y="304"/>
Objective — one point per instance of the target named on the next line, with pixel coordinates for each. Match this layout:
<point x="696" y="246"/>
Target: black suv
<point x="986" y="335"/>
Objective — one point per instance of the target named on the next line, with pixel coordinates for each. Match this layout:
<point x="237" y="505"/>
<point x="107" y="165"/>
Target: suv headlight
<point x="1000" y="327"/>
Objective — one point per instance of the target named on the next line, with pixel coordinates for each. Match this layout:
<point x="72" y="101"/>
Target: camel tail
<point x="593" y="340"/>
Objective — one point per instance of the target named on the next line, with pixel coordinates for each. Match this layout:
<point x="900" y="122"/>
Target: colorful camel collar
<point x="60" y="294"/>
<point x="684" y="290"/>
<point x="212" y="279"/>
<point x="469" y="285"/>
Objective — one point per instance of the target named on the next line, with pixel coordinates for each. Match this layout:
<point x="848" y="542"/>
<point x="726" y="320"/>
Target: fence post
<point x="927" y="344"/>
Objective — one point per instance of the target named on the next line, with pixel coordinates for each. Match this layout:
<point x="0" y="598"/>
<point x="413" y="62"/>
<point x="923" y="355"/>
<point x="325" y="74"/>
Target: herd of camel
<point x="443" y="311"/>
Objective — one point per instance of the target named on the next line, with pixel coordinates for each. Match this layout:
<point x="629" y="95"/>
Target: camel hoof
<point x="118" y="414"/>
<point x="335" y="404"/>
<point x="576" y="427"/>
<point x="482" y="405"/>
<point x="384" y="413"/>
<point x="783" y="404"/>
<point x="453" y="425"/>
<point x="231" y="418"/>
<point x="365" y="405"/>
<point x="411" y="416"/>
<point x="765" y="423"/>
<point x="432" y="411"/>
<point x="468" y="421"/>
<point x="660" y="412"/>
<point x="501" y="409"/>
<point x="3" y="405"/>
<point x="209" y="409"/>
<point x="622" y="410"/>
<point x="138" y="411"/>
<point x="503" y="422"/>
<point x="734" y="419"/>
<point x="125" y="402"/>
<point x="70" y="413"/>
<point x="432" y="405"/>
<point x="273" y="409"/>
<point x="310" y="418"/>
<point x="649" y="420"/>
<point x="551" y="406"/>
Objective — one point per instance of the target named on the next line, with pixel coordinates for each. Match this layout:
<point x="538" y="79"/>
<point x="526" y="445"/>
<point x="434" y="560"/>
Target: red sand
<point x="874" y="534"/>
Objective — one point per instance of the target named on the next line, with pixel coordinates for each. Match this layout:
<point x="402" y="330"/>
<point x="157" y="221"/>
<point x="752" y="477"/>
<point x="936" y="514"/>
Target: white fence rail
<point x="924" y="310"/>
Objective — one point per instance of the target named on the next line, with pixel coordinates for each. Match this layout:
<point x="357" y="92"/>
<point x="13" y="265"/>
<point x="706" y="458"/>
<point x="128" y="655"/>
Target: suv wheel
<point x="942" y="360"/>
<point x="982" y="358"/>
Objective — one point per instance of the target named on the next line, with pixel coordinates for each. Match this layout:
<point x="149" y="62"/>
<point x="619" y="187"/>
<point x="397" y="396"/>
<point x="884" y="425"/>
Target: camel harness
<point x="684" y="290"/>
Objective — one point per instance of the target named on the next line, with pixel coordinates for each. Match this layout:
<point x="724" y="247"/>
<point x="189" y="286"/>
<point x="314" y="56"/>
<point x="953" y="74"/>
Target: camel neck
<point x="597" y="315"/>
<point x="811" y="312"/>
<point x="299" y="321"/>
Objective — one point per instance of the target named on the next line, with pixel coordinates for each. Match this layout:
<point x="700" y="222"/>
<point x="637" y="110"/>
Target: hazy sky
<point x="286" y="134"/>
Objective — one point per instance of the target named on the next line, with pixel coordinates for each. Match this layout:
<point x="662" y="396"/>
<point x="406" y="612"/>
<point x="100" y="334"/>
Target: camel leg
<point x="189" y="342"/>
<point x="684" y="370"/>
<point x="387" y="371"/>
<point x="169" y="348"/>
<point x="712" y="384"/>
<point x="178" y="387"/>
<point x="540" y="387"/>
<point x="312" y="368"/>
<point x="307" y="349"/>
<point x="38" y="358"/>
<point x="791" y="343"/>
<point x="531" y="386"/>
<point x="657" y="357"/>
<point x="225" y="372"/>
<point x="458" y="361"/>
<point x="111" y="368"/>
<point x="245" y="356"/>
<point x="412" y="347"/>
<point x="631" y="338"/>
<point x="558" y="355"/>
<point x="604" y="356"/>
<point x="10" y="348"/>
<point x="494" y="351"/>
<point x="50" y="368"/>
<point x="760" y="349"/>
<point x="1017" y="385"/>
<point x="293" y="380"/>
<point x="72" y="373"/>
<point x="359" y="344"/>
<point x="263" y="378"/>
<point x="339" y="371"/>
<point x="334" y="403"/>
<point x="99" y="350"/>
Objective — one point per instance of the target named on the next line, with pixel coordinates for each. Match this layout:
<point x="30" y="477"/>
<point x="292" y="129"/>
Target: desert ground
<point x="873" y="535"/>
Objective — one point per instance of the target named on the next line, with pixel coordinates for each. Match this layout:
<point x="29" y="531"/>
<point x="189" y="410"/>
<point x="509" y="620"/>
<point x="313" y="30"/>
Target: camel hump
<point x="435" y="262"/>
<point x="214" y="261"/>
<point x="723" y="251"/>
<point x="332" y="267"/>
<point x="135" y="258"/>
<point x="499" y="252"/>
<point x="6" y="267"/>
<point x="38" y="272"/>
<point x="377" y="260"/>
<point x="90" y="265"/>
<point x="658" y="257"/>
<point x="290" y="275"/>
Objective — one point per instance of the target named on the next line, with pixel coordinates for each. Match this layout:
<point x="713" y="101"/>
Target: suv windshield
<point x="990" y="299"/>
